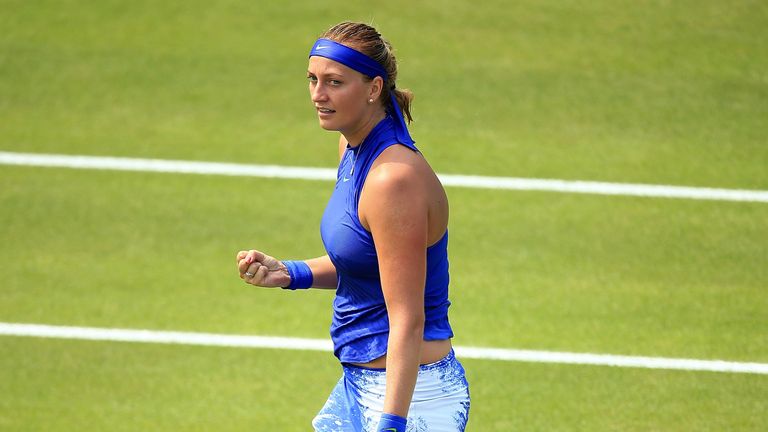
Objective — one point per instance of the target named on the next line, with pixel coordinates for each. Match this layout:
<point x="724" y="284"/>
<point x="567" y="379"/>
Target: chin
<point x="329" y="126"/>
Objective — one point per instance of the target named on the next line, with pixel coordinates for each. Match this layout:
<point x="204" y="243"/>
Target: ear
<point x="377" y="85"/>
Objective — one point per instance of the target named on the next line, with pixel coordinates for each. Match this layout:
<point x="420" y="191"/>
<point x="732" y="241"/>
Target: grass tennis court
<point x="652" y="92"/>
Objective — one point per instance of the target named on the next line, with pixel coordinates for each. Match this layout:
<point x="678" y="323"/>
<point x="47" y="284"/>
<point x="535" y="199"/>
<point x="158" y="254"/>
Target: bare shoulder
<point x="399" y="169"/>
<point x="395" y="184"/>
<point x="402" y="188"/>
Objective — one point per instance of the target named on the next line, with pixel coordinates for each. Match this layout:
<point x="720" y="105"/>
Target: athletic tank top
<point x="360" y="326"/>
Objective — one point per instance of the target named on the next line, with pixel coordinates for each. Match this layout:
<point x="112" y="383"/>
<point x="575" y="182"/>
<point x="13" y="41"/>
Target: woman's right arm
<point x="323" y="272"/>
<point x="268" y="271"/>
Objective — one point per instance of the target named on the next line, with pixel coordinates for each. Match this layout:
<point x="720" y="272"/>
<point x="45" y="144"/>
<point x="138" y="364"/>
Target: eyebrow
<point x="326" y="74"/>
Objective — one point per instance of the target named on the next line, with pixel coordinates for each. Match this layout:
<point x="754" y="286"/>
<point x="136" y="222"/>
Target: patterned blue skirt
<point x="440" y="400"/>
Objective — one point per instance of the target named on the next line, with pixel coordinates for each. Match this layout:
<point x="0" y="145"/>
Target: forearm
<point x="323" y="272"/>
<point x="403" y="355"/>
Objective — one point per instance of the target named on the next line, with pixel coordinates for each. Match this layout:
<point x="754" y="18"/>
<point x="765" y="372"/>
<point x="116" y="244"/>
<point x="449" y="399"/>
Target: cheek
<point x="352" y="100"/>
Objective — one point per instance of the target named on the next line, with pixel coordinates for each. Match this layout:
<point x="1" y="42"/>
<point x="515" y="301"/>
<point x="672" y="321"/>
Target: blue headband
<point x="367" y="66"/>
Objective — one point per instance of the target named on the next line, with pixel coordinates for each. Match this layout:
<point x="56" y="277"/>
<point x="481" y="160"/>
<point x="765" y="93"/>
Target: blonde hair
<point x="367" y="40"/>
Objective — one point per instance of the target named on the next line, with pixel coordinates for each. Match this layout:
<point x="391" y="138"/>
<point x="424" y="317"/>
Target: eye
<point x="312" y="79"/>
<point x="335" y="83"/>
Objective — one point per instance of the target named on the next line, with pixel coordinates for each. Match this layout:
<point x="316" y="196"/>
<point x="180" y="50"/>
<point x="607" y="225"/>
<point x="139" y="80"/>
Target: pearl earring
<point x="370" y="101"/>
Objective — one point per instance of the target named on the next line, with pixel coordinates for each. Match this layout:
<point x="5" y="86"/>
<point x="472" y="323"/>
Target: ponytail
<point x="404" y="99"/>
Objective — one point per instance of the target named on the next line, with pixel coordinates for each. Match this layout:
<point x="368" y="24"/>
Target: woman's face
<point x="340" y="95"/>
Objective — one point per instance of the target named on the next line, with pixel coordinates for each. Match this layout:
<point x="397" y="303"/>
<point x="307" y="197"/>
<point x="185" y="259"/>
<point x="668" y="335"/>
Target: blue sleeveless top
<point x="360" y="326"/>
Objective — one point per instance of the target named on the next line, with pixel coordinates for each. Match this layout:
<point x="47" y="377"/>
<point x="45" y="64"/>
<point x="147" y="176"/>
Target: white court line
<point x="209" y="339"/>
<point x="301" y="173"/>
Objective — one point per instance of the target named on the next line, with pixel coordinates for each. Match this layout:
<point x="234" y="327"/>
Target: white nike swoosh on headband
<point x="319" y="47"/>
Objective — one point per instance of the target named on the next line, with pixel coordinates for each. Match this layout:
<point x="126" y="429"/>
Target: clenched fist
<point x="260" y="269"/>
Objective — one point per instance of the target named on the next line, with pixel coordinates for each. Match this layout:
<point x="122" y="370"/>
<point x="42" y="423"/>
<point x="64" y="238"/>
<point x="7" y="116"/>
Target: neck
<point x="356" y="137"/>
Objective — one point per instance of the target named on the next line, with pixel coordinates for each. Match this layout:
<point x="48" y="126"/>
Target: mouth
<point x="323" y="110"/>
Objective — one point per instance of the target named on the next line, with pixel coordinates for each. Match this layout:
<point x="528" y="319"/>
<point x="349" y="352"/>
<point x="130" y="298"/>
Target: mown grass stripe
<point x="292" y="343"/>
<point x="329" y="174"/>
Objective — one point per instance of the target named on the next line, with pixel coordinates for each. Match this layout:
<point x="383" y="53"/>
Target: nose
<point x="317" y="92"/>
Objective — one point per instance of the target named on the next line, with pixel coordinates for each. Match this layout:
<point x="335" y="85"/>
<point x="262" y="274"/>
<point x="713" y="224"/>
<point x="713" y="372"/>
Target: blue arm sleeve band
<point x="301" y="275"/>
<point x="391" y="423"/>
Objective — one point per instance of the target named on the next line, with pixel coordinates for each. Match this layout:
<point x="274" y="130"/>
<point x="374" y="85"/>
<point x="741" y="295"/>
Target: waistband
<point x="443" y="362"/>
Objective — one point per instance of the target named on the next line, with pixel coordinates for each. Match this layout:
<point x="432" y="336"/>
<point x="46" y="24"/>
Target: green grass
<point x="579" y="273"/>
<point x="128" y="387"/>
<point x="676" y="278"/>
<point x="690" y="274"/>
<point x="649" y="91"/>
<point x="652" y="91"/>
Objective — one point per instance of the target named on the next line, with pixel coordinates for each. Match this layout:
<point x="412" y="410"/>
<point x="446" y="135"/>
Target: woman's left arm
<point x="394" y="206"/>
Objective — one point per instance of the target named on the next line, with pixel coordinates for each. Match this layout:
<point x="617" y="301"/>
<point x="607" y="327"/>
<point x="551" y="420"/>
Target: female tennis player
<point x="385" y="233"/>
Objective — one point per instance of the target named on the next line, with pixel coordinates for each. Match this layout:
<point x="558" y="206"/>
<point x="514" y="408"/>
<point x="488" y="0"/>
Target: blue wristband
<point x="301" y="275"/>
<point x="391" y="423"/>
